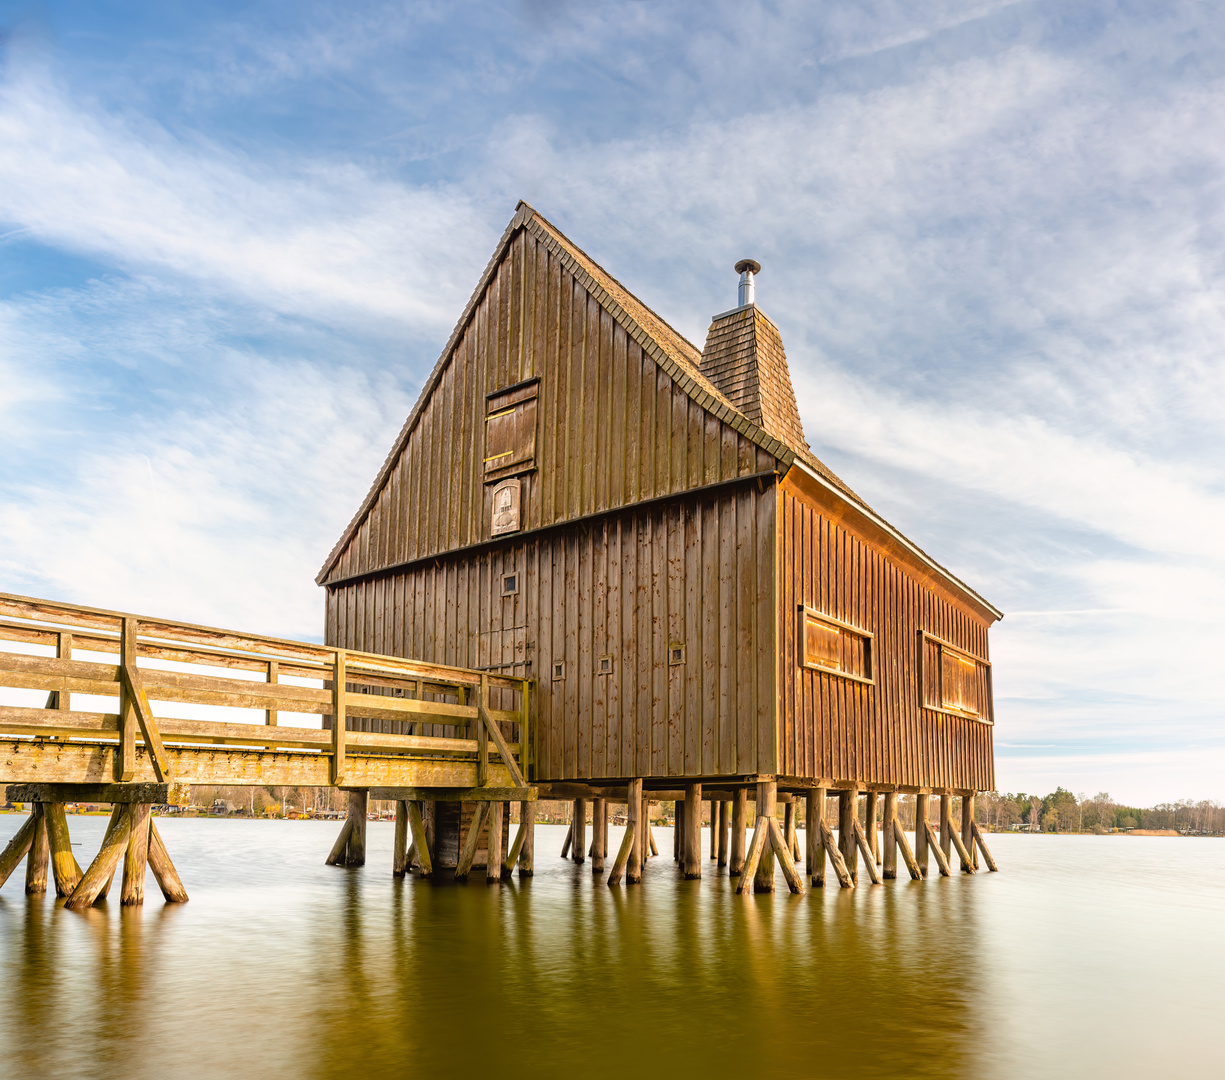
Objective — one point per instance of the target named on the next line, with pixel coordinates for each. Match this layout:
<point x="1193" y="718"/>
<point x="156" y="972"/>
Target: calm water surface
<point x="1085" y="956"/>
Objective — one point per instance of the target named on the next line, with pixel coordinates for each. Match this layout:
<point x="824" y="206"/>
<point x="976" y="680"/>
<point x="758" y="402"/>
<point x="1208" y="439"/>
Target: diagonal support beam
<point x="757" y="847"/>
<point x="417" y="826"/>
<point x="623" y="856"/>
<point x="934" y="846"/>
<point x="835" y="856"/>
<point x="865" y="849"/>
<point x="499" y="740"/>
<point x="783" y="850"/>
<point x="982" y="846"/>
<point x="903" y="845"/>
<point x="468" y="851"/>
<point x="967" y="860"/>
<point x="97" y="879"/>
<point x="17" y="848"/>
<point x="134" y="689"/>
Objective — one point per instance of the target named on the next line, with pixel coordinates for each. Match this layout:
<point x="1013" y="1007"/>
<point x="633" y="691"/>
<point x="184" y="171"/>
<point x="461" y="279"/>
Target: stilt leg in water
<point x="97" y="877"/>
<point x="493" y="869"/>
<point x="17" y="849"/>
<point x="889" y="871"/>
<point x="633" y="872"/>
<point x="767" y="795"/>
<point x="164" y="873"/>
<point x="63" y="863"/>
<point x="740" y="824"/>
<point x="757" y="847"/>
<point x="417" y="827"/>
<point x="783" y="850"/>
<point x="39" y="857"/>
<point x="578" y="832"/>
<point x="527" y="853"/>
<point x="399" y="851"/>
<point x="982" y="846"/>
<point x="693" y="831"/>
<point x="816" y="846"/>
<point x="136" y="859"/>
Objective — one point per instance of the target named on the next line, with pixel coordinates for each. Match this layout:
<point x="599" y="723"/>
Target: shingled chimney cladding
<point x="745" y="361"/>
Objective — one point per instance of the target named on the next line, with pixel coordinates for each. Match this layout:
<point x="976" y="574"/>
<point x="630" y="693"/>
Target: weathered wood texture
<point x="614" y="427"/>
<point x="840" y="728"/>
<point x="631" y="587"/>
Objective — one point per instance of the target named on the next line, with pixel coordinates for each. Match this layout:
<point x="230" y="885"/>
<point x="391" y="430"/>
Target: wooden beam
<point x="164" y="873"/>
<point x="740" y="824"/>
<point x="767" y="794"/>
<point x="512" y="856"/>
<point x="903" y="845"/>
<point x="17" y="848"/>
<point x="783" y="850"/>
<point x="417" y="827"/>
<point x="91" y="763"/>
<point x="761" y="835"/>
<point x="841" y="870"/>
<point x="569" y="840"/>
<point x="920" y="832"/>
<point x="693" y="831"/>
<point x="175" y="794"/>
<point x="869" y="857"/>
<point x="399" y="850"/>
<point x="714" y="830"/>
<point x="946" y="825"/>
<point x="623" y="856"/>
<point x="64" y="866"/>
<point x="355" y="853"/>
<point x="678" y="832"/>
<point x="847" y="817"/>
<point x="933" y="845"/>
<point x="578" y="832"/>
<point x="499" y="740"/>
<point x="869" y="818"/>
<point x="339" y="766"/>
<point x="967" y="835"/>
<point x="474" y="794"/>
<point x="599" y="834"/>
<point x="633" y="871"/>
<point x="97" y="878"/>
<point x="467" y="851"/>
<point x="136" y="857"/>
<point x="493" y="862"/>
<point x="527" y="853"/>
<point x="967" y="859"/>
<point x="39" y="856"/>
<point x="336" y="857"/>
<point x="274" y="677"/>
<point x="814" y="815"/>
<point x="889" y="872"/>
<point x="978" y="839"/>
<point x="134" y="691"/>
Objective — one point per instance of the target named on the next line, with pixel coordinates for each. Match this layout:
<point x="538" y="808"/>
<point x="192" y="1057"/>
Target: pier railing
<point x="370" y="705"/>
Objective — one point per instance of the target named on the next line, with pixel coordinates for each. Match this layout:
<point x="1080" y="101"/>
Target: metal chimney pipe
<point x="746" y="268"/>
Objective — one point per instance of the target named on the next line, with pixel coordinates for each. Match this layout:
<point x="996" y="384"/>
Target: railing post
<point x="482" y="737"/>
<point x="524" y="741"/>
<point x="273" y="679"/>
<point x="338" y="717"/>
<point x="125" y="760"/>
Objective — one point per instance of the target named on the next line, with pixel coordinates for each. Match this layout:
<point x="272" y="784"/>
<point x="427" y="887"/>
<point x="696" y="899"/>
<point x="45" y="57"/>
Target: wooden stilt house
<point x="583" y="497"/>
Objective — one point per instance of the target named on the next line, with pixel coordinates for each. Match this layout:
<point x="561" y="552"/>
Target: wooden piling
<point x="889" y="872"/>
<point x="752" y="861"/>
<point x="789" y="824"/>
<point x="982" y="846"/>
<point x="714" y="829"/>
<point x="493" y="861"/>
<point x="64" y="867"/>
<point x="599" y="834"/>
<point x="869" y="859"/>
<point x="725" y="824"/>
<point x="903" y="845"/>
<point x="136" y="857"/>
<point x="920" y="832"/>
<point x="39" y="856"/>
<point x="767" y="796"/>
<point x="633" y="871"/>
<point x="399" y="851"/>
<point x="693" y="831"/>
<point x="841" y="871"/>
<point x="816" y="848"/>
<point x="967" y="833"/>
<point x="164" y="873"/>
<point x="527" y="852"/>
<point x="578" y="832"/>
<point x="869" y="824"/>
<point x="740" y="823"/>
<point x="646" y="818"/>
<point x="783" y="850"/>
<point x="565" y="847"/>
<point x="846" y="831"/>
<point x="678" y="830"/>
<point x="17" y="849"/>
<point x="467" y="851"/>
<point x="97" y="877"/>
<point x="946" y="825"/>
<point x="420" y="839"/>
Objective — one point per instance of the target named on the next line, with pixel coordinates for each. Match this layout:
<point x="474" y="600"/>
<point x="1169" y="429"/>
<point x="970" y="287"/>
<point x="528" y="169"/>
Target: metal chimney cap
<point x="752" y="265"/>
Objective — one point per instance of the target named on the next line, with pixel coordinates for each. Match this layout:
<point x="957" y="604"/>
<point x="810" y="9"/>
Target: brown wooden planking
<point x="878" y="733"/>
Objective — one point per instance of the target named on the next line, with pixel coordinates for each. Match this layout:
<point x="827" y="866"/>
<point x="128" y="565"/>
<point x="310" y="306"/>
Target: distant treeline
<point x="1061" y="811"/>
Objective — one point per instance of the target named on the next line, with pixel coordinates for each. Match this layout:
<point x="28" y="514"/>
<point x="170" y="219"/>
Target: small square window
<point x="559" y="671"/>
<point x="510" y="584"/>
<point x="606" y="665"/>
<point x="676" y="654"/>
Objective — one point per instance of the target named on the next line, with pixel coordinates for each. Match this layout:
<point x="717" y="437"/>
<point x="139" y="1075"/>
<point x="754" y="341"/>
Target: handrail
<point x="411" y="694"/>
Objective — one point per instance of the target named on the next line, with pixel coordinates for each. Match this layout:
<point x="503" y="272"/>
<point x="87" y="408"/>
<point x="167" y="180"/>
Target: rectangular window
<point x="954" y="681"/>
<point x="510" y="430"/>
<point x="835" y="647"/>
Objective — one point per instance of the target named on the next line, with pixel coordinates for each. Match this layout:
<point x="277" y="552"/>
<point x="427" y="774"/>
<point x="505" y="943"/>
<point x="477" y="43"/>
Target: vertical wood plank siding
<point x="613" y="427"/>
<point x="695" y="573"/>
<point x="839" y="729"/>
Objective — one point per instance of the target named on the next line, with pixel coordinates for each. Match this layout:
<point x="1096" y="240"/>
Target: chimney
<point x="745" y="361"/>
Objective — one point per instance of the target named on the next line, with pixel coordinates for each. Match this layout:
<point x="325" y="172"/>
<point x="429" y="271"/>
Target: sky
<point x="235" y="237"/>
